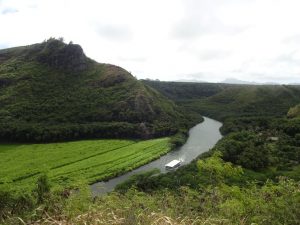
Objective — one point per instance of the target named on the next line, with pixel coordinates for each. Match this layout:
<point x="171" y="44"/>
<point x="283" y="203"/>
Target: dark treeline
<point x="63" y="132"/>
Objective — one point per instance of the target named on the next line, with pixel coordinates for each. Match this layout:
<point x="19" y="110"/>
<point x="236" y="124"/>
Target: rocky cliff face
<point x="61" y="56"/>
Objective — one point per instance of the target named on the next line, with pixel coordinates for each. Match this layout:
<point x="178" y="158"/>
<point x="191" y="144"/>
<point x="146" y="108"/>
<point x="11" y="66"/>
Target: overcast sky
<point x="206" y="40"/>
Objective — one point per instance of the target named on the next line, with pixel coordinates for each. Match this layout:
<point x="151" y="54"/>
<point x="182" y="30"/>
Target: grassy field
<point x="70" y="163"/>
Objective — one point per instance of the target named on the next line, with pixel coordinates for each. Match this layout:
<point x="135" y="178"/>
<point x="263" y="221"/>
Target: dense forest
<point x="52" y="92"/>
<point x="250" y="176"/>
<point x="264" y="144"/>
<point x="261" y="123"/>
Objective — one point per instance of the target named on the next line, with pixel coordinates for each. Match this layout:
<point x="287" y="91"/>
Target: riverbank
<point x="202" y="137"/>
<point x="71" y="163"/>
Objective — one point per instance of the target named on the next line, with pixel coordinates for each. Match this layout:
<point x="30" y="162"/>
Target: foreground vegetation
<point x="217" y="200"/>
<point x="70" y="163"/>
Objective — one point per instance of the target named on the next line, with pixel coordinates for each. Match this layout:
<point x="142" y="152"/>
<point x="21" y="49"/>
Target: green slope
<point x="52" y="91"/>
<point x="226" y="100"/>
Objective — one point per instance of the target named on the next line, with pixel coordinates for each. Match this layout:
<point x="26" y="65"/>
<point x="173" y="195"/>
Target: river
<point x="202" y="137"/>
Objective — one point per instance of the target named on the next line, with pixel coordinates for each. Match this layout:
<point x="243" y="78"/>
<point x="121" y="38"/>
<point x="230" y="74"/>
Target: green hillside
<point x="226" y="100"/>
<point x="51" y="91"/>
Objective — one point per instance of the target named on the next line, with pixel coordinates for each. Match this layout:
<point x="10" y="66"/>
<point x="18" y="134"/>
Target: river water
<point x="202" y="137"/>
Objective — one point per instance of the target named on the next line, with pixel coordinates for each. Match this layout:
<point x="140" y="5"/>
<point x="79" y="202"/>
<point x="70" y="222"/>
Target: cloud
<point x="277" y="78"/>
<point x="211" y="54"/>
<point x="204" y="18"/>
<point x="209" y="40"/>
<point x="194" y="28"/>
<point x="289" y="58"/>
<point x="198" y="77"/>
<point x="294" y="39"/>
<point x="8" y="11"/>
<point x="3" y="45"/>
<point x="132" y="59"/>
<point x="114" y="32"/>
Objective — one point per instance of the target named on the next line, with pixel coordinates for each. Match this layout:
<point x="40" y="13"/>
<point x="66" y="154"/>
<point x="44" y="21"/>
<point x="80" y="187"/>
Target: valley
<point x="202" y="137"/>
<point x="70" y="125"/>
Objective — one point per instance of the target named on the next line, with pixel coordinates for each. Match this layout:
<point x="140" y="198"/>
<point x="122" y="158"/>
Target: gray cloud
<point x="281" y="79"/>
<point x="269" y="77"/>
<point x="3" y="45"/>
<point x="197" y="77"/>
<point x="205" y="54"/>
<point x="193" y="28"/>
<point x="132" y="59"/>
<point x="9" y="11"/>
<point x="114" y="32"/>
<point x="201" y="18"/>
<point x="288" y="58"/>
<point x="295" y="39"/>
<point x="213" y="54"/>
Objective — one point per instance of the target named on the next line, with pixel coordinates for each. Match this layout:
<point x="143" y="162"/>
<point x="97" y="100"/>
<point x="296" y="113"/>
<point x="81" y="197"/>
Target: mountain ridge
<point x="51" y="91"/>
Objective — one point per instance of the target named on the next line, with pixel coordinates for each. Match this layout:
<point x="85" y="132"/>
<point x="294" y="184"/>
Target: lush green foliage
<point x="247" y="149"/>
<point x="270" y="204"/>
<point x="217" y="169"/>
<point x="213" y="171"/>
<point x="70" y="163"/>
<point x="259" y="143"/>
<point x="258" y="135"/>
<point x="43" y="188"/>
<point x="238" y="182"/>
<point x="294" y="112"/>
<point x="220" y="203"/>
<point x="51" y="91"/>
<point x="179" y="138"/>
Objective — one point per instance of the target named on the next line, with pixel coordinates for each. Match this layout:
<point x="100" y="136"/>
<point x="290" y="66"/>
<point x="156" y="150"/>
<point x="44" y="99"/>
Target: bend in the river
<point x="202" y="137"/>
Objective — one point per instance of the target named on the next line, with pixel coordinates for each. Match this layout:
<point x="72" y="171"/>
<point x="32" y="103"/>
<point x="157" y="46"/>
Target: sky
<point x="203" y="40"/>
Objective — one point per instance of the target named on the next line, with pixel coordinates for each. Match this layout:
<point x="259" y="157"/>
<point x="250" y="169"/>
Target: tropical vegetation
<point x="52" y="91"/>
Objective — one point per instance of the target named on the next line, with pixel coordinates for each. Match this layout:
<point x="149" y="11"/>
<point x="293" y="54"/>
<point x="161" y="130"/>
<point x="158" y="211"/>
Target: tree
<point x="218" y="170"/>
<point x="61" y="39"/>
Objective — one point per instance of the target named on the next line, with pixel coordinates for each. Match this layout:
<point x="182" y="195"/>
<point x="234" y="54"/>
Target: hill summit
<point x="51" y="91"/>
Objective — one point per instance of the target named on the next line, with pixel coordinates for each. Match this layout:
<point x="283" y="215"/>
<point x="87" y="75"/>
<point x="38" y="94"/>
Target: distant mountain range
<point x="190" y="81"/>
<point x="231" y="81"/>
<point x="237" y="81"/>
